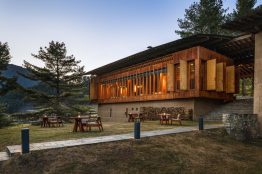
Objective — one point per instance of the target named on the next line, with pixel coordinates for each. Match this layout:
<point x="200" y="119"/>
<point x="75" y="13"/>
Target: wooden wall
<point x="141" y="82"/>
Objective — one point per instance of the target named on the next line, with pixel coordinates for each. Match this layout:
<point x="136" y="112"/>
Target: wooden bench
<point x="55" y="121"/>
<point x="94" y="122"/>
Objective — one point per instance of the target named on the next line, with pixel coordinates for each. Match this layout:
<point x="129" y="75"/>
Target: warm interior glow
<point x="164" y="84"/>
<point x="121" y="90"/>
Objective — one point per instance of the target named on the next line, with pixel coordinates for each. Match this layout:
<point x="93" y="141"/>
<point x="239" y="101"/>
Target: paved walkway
<point x="103" y="139"/>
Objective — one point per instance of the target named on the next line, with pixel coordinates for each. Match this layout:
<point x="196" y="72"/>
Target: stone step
<point x="4" y="156"/>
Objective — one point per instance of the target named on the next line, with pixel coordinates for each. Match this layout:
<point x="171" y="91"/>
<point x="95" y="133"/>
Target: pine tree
<point x="205" y="17"/>
<point x="6" y="84"/>
<point x="243" y="7"/>
<point x="61" y="76"/>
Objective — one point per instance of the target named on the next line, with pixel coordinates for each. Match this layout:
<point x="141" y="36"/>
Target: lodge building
<point x="200" y="72"/>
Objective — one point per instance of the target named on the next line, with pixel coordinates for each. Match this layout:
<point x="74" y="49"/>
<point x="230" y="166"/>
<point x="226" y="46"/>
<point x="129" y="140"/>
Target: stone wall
<point x="258" y="78"/>
<point x="203" y="107"/>
<point x="241" y="126"/>
<point x="240" y="106"/>
<point x="211" y="109"/>
<point x="118" y="110"/>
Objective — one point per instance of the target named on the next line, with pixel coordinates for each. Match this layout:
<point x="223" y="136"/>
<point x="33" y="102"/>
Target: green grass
<point x="209" y="151"/>
<point x="11" y="135"/>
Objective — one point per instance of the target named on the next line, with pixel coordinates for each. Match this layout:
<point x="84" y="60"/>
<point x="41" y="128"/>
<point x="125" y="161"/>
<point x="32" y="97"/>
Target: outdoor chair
<point x="176" y="119"/>
<point x="94" y="122"/>
<point x="164" y="118"/>
<point x="60" y="121"/>
<point x="52" y="121"/>
<point x="84" y="121"/>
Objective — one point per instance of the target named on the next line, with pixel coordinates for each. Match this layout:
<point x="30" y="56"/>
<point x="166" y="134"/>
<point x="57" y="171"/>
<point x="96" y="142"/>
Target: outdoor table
<point x="132" y="116"/>
<point x="78" y="123"/>
<point x="164" y="117"/>
<point x="45" y="122"/>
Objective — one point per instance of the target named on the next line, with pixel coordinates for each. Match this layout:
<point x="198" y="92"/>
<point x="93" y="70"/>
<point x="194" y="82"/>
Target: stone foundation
<point x="116" y="111"/>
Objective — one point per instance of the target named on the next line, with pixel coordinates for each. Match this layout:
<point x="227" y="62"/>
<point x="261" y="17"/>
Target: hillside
<point x="12" y="72"/>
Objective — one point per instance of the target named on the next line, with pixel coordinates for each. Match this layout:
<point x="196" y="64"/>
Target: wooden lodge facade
<point x="187" y="72"/>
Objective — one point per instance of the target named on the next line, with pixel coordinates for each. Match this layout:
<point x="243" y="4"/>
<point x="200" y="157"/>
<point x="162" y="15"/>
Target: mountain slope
<point x="12" y="70"/>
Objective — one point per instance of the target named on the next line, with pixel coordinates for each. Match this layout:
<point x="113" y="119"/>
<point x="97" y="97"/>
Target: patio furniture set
<point x="53" y="121"/>
<point x="81" y="123"/>
<point x="87" y="121"/>
<point x="165" y="115"/>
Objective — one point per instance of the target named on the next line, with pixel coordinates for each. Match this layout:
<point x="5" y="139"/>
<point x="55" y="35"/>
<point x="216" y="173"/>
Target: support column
<point x="258" y="79"/>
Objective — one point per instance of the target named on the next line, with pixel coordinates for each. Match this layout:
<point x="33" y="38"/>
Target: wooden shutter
<point x="230" y="79"/>
<point x="211" y="74"/>
<point x="237" y="79"/>
<point x="93" y="91"/>
<point x="183" y="75"/>
<point x="170" y="77"/>
<point x="220" y="77"/>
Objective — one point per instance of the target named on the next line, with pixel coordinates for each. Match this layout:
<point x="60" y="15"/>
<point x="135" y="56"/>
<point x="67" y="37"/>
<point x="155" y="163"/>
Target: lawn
<point x="11" y="135"/>
<point x="209" y="151"/>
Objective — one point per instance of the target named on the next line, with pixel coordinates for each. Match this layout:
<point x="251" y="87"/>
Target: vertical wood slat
<point x="237" y="80"/>
<point x="230" y="79"/>
<point x="170" y="77"/>
<point x="183" y="75"/>
<point x="220" y="77"/>
<point x="164" y="77"/>
<point x="93" y="91"/>
<point x="154" y="82"/>
<point x="211" y="74"/>
<point x="160" y="82"/>
<point x="197" y="74"/>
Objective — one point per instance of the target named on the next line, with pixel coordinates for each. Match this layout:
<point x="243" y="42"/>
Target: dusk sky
<point x="96" y="32"/>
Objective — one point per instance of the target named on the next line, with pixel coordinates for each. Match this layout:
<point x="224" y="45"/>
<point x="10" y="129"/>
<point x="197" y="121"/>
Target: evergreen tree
<point x="6" y="84"/>
<point x="62" y="78"/>
<point x="243" y="7"/>
<point x="205" y="17"/>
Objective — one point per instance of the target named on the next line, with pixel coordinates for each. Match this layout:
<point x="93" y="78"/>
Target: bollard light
<point x="25" y="140"/>
<point x="201" y="123"/>
<point x="137" y="128"/>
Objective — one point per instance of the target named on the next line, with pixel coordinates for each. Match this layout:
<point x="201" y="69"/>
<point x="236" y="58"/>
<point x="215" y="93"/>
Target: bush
<point x="4" y="120"/>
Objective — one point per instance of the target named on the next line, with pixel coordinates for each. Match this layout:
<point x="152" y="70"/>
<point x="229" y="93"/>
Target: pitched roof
<point x="205" y="40"/>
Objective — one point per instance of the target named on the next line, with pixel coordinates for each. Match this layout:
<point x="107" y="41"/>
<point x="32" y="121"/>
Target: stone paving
<point x="103" y="139"/>
<point x="4" y="156"/>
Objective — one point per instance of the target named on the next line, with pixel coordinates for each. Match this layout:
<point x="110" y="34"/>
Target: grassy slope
<point x="195" y="152"/>
<point x="11" y="135"/>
